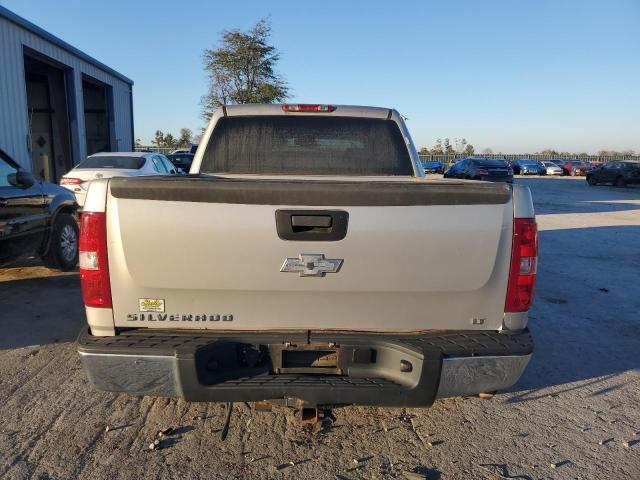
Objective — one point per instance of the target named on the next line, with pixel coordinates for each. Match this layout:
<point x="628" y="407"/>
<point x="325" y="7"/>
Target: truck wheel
<point x="620" y="183"/>
<point x="63" y="246"/>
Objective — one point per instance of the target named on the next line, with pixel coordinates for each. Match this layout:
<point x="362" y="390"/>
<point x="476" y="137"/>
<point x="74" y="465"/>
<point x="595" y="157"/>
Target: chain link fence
<point x="452" y="158"/>
<point x="153" y="148"/>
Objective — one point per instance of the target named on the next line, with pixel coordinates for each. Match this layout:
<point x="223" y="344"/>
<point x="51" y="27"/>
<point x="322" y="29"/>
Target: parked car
<point x="291" y="278"/>
<point x="182" y="161"/>
<point x="433" y="167"/>
<point x="574" y="167"/>
<point x="481" y="169"/>
<point x="36" y="219"/>
<point x="542" y="168"/>
<point x="551" y="168"/>
<point x="527" y="167"/>
<point x="114" y="164"/>
<point x="619" y="174"/>
<point x="180" y="150"/>
<point x="193" y="149"/>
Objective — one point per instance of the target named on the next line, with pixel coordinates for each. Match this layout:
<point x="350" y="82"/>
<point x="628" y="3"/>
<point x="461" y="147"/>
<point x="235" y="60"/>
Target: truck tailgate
<point x="205" y="253"/>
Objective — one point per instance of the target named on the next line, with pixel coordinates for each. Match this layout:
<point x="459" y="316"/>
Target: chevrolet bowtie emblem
<point x="311" y="265"/>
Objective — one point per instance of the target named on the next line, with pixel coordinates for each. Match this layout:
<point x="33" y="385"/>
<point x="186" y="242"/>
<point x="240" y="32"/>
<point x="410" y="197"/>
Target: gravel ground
<point x="569" y="416"/>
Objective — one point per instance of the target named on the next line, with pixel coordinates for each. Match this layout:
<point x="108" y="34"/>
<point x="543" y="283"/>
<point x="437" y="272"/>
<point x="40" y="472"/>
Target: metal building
<point x="57" y="104"/>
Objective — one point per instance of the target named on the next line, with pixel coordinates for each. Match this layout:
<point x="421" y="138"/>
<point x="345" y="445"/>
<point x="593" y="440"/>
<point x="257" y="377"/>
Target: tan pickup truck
<point x="306" y="259"/>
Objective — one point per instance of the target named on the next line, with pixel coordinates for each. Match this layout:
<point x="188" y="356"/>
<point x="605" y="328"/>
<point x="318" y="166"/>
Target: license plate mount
<point x="319" y="359"/>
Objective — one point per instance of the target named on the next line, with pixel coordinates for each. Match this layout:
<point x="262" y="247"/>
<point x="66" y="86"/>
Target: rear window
<point x="306" y="145"/>
<point x="112" y="161"/>
<point x="181" y="159"/>
<point x="490" y="163"/>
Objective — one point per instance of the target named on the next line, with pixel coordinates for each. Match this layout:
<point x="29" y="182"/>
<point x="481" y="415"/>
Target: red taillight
<point x="70" y="181"/>
<point x="94" y="265"/>
<point x="307" y="107"/>
<point x="524" y="261"/>
<point x="482" y="171"/>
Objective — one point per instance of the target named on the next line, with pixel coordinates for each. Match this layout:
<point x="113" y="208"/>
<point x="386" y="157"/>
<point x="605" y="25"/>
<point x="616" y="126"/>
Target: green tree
<point x="169" y="141"/>
<point x="242" y="70"/>
<point x="186" y="136"/>
<point x="158" y="139"/>
<point x="487" y="151"/>
<point x="469" y="150"/>
<point x="423" y="151"/>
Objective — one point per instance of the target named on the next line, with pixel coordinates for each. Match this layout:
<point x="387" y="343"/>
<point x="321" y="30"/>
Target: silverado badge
<point x="312" y="265"/>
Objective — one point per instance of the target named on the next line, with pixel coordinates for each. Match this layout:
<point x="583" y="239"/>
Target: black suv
<point x="36" y="218"/>
<point x="181" y="160"/>
<point x="481" y="169"/>
<point x="619" y="174"/>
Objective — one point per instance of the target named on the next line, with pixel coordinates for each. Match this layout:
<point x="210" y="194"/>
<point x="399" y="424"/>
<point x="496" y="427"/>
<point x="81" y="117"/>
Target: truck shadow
<point x="585" y="316"/>
<point x="39" y="307"/>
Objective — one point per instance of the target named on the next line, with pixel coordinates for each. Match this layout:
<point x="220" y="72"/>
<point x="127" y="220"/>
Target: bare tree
<point x="448" y="149"/>
<point x="460" y="143"/>
<point x="437" y="148"/>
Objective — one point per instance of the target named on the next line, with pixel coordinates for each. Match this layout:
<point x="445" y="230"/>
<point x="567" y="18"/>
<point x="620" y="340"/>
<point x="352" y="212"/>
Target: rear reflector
<point x="94" y="265"/>
<point x="307" y="107"/>
<point x="70" y="181"/>
<point x="524" y="262"/>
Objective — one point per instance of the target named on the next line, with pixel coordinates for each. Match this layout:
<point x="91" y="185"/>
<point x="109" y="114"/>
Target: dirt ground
<point x="568" y="417"/>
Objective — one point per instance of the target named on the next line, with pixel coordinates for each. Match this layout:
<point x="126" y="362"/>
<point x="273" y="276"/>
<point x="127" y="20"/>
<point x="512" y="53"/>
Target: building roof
<point x="27" y="25"/>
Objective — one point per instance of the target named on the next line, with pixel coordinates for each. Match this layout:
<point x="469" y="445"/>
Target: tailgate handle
<point x="313" y="221"/>
<point x="312" y="225"/>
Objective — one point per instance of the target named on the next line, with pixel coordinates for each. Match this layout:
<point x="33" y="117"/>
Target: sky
<point x="513" y="76"/>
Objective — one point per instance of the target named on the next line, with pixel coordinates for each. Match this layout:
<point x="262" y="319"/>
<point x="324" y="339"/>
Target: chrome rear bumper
<point x="462" y="376"/>
<point x="157" y="364"/>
